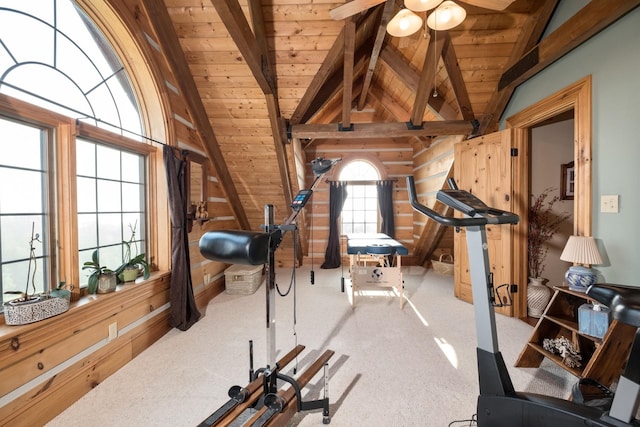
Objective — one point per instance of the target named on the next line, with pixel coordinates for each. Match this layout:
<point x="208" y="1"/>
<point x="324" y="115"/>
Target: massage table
<point x="375" y="260"/>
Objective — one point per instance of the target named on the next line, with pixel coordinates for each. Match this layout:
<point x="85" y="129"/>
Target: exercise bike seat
<point x="624" y="301"/>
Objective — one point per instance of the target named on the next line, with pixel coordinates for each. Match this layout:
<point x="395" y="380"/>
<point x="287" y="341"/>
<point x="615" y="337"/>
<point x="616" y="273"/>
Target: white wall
<point x="612" y="58"/>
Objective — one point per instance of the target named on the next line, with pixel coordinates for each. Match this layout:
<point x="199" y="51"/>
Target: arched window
<point x="52" y="55"/>
<point x="71" y="87"/>
<point x="360" y="210"/>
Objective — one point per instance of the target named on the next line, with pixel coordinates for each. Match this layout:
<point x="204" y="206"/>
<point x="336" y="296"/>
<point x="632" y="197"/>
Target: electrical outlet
<point x="113" y="331"/>
<point x="207" y="278"/>
<point x="609" y="203"/>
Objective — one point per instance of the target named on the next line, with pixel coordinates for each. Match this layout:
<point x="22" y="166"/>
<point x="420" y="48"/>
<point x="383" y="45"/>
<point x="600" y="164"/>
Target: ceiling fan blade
<point x="353" y="7"/>
<point x="490" y="4"/>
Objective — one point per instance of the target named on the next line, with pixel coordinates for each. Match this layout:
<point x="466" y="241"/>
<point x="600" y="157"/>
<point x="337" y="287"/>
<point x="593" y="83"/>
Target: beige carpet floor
<point x="392" y="367"/>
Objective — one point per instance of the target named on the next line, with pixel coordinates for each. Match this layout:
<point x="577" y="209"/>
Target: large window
<point x="24" y="208"/>
<point x="111" y="189"/>
<point x="360" y="210"/>
<point x="54" y="59"/>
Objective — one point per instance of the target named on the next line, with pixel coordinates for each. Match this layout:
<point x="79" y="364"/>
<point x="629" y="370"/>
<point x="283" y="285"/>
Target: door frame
<point x="576" y="96"/>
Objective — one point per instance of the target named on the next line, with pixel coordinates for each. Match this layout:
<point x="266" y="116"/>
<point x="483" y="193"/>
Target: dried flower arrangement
<point x="543" y="224"/>
<point x="563" y="347"/>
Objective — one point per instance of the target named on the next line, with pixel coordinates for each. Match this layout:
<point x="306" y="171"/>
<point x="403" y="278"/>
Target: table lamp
<point x="580" y="250"/>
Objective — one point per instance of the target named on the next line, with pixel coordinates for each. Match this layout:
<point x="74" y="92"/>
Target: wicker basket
<point x="444" y="265"/>
<point x="243" y="279"/>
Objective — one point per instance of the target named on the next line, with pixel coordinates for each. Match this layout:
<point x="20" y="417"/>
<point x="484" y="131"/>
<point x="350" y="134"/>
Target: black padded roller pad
<point x="235" y="246"/>
<point x="624" y="301"/>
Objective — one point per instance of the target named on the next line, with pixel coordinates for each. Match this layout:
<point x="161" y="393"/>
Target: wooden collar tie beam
<point x="382" y="130"/>
<point x="274" y="407"/>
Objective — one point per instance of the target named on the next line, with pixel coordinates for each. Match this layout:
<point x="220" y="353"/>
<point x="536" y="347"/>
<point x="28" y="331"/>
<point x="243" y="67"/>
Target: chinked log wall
<point x="396" y="160"/>
<point x="429" y="163"/>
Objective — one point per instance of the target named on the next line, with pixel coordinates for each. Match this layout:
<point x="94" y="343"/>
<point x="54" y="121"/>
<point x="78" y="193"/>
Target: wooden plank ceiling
<point x="270" y="70"/>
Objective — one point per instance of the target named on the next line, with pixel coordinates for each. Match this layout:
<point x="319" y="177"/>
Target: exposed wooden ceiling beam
<point x="234" y="20"/>
<point x="170" y="44"/>
<point x="587" y="22"/>
<point x="332" y="87"/>
<point x="332" y="62"/>
<point x="398" y="64"/>
<point x="381" y="34"/>
<point x="351" y="8"/>
<point x="426" y="83"/>
<point x="381" y="130"/>
<point x="395" y="110"/>
<point x="347" y="70"/>
<point x="455" y="78"/>
<point x="530" y="34"/>
<point x="278" y="128"/>
<point x="324" y="72"/>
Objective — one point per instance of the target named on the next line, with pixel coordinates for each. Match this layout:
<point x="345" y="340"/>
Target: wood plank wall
<point x="430" y="170"/>
<point x="46" y="366"/>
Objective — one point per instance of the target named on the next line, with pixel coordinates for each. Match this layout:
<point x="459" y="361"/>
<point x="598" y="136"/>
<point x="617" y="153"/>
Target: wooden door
<point x="491" y="167"/>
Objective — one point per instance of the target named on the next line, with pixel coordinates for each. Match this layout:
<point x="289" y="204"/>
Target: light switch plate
<point x="609" y="203"/>
<point x="113" y="331"/>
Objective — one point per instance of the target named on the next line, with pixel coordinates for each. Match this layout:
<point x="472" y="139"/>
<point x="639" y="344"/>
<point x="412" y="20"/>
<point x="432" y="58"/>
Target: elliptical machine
<point x="498" y="403"/>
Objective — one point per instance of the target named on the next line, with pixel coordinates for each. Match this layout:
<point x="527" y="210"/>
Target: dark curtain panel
<point x="184" y="312"/>
<point x="385" y="202"/>
<point x="337" y="196"/>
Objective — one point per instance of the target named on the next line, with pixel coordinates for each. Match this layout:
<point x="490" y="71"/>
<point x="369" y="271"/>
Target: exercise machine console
<point x="499" y="404"/>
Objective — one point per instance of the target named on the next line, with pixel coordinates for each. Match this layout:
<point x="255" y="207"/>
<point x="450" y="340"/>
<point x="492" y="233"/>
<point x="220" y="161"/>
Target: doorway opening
<point x="575" y="98"/>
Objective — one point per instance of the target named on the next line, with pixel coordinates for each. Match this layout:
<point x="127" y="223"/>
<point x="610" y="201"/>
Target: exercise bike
<point x="498" y="403"/>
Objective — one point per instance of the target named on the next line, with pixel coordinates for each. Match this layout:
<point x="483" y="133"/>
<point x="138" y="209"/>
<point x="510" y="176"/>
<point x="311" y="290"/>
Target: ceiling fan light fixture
<point x="404" y="23"/>
<point x="421" y="5"/>
<point x="446" y="16"/>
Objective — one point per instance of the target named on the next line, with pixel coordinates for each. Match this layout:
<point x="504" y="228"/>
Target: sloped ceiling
<point x="264" y="72"/>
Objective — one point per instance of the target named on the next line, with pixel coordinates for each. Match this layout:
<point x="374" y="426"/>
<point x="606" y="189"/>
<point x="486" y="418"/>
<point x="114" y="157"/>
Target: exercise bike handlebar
<point x="477" y="213"/>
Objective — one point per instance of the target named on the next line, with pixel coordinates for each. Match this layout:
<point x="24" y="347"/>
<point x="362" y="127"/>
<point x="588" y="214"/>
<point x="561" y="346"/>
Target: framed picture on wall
<point x="567" y="181"/>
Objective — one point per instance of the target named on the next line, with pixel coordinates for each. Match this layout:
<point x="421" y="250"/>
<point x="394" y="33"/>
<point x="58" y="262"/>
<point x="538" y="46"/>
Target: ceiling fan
<point x="446" y="15"/>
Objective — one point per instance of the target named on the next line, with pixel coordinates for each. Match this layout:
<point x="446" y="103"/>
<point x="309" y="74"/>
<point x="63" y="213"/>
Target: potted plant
<point x="131" y="265"/>
<point x="61" y="291"/>
<point x="32" y="307"/>
<point x="543" y="224"/>
<point x="102" y="280"/>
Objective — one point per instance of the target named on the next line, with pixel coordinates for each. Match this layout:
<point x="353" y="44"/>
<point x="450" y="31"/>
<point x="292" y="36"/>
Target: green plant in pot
<point x="132" y="265"/>
<point x="61" y="291"/>
<point x="102" y="279"/>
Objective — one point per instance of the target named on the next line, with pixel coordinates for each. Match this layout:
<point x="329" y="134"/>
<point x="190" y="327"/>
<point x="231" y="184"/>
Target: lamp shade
<point x="446" y="16"/>
<point x="580" y="250"/>
<point x="404" y="23"/>
<point x="421" y="5"/>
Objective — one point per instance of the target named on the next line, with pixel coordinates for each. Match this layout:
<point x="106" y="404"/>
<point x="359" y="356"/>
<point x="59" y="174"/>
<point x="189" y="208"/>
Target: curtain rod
<point x="363" y="182"/>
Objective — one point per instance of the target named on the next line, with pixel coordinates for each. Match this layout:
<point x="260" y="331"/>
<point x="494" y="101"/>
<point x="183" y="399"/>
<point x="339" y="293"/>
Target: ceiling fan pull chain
<point x="435" y="64"/>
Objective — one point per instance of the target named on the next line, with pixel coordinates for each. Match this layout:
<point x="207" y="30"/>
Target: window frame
<point x="351" y="183"/>
<point x="49" y="206"/>
<point x="63" y="211"/>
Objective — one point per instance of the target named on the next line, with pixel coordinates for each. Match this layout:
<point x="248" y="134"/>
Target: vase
<point x="538" y="296"/>
<point x="129" y="274"/>
<point x="107" y="283"/>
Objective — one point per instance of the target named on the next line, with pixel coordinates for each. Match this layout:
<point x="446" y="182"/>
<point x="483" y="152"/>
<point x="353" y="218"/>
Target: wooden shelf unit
<point x="602" y="359"/>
